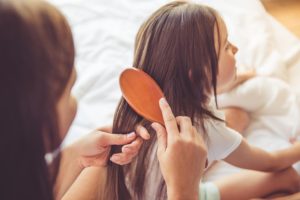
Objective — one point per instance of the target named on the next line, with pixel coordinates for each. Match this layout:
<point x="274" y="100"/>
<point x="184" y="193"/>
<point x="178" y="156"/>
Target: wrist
<point x="183" y="193"/>
<point x="73" y="151"/>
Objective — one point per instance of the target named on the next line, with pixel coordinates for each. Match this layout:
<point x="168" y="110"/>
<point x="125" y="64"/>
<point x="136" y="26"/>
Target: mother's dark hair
<point x="177" y="47"/>
<point x="36" y="62"/>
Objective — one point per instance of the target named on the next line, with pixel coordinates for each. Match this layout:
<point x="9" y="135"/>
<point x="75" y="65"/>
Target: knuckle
<point x="194" y="129"/>
<point x="167" y="110"/>
<point x="187" y="135"/>
<point x="137" y="143"/>
<point x="124" y="137"/>
<point x="191" y="131"/>
<point x="128" y="156"/>
<point x="186" y="119"/>
<point x="127" y="149"/>
<point x="169" y="118"/>
<point x="134" y="149"/>
<point x="178" y="118"/>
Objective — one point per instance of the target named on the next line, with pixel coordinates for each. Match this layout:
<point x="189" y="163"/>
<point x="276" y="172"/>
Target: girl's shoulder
<point x="221" y="140"/>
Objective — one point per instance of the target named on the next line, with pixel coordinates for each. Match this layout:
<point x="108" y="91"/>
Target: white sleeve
<point x="221" y="140"/>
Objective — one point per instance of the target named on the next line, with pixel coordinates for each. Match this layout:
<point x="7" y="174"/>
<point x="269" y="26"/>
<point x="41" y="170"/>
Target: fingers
<point x="121" y="158"/>
<point x="129" y="151"/>
<point x="161" y="137"/>
<point x="133" y="147"/>
<point x="107" y="139"/>
<point x="142" y="132"/>
<point x="121" y="139"/>
<point x="169" y="119"/>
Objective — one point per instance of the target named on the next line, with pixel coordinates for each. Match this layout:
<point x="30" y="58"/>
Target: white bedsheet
<point x="104" y="34"/>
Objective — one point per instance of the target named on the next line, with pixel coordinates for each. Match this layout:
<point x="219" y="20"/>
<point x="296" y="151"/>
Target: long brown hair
<point x="176" y="47"/>
<point x="36" y="61"/>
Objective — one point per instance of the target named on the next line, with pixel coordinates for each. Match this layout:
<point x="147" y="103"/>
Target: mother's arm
<point x="89" y="185"/>
<point x="93" y="150"/>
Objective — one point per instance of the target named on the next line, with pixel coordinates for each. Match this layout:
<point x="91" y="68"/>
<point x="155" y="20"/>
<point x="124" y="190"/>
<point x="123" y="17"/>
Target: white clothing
<point x="221" y="140"/>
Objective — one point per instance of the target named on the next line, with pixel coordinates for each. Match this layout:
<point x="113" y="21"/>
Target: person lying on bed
<point x="184" y="47"/>
<point x="36" y="76"/>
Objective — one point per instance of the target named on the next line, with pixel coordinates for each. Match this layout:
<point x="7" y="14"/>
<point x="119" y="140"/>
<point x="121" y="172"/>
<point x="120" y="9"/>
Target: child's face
<point x="67" y="107"/>
<point x="227" y="68"/>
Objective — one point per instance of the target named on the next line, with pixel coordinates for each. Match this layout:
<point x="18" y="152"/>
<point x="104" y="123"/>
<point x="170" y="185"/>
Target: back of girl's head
<point x="177" y="46"/>
<point x="36" y="61"/>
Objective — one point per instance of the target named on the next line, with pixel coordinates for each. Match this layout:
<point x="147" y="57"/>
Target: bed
<point x="104" y="33"/>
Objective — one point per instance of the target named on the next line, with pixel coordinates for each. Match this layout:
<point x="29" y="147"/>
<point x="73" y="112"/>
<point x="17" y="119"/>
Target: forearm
<point x="286" y="157"/>
<point x="69" y="170"/>
<point x="89" y="185"/>
<point x="70" y="166"/>
<point x="249" y="157"/>
<point x="277" y="160"/>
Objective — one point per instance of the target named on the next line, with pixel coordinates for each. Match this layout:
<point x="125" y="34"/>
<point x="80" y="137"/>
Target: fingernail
<point x="131" y="135"/>
<point x="154" y="125"/>
<point x="163" y="101"/>
<point x="115" y="158"/>
<point x="143" y="129"/>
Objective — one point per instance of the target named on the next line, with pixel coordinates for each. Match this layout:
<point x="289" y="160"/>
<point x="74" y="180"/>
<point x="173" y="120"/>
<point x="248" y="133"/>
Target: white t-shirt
<point x="221" y="140"/>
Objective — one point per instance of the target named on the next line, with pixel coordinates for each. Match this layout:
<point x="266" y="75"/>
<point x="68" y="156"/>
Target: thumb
<point x="161" y="138"/>
<point x="107" y="139"/>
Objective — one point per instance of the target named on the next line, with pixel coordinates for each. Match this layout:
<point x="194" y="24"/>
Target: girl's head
<point x="36" y="74"/>
<point x="184" y="47"/>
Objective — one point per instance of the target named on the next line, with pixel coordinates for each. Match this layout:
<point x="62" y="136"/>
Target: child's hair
<point x="36" y="62"/>
<point x="176" y="47"/>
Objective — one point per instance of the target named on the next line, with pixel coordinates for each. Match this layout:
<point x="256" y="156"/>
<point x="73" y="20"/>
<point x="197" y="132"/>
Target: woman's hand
<point x="94" y="148"/>
<point x="181" y="153"/>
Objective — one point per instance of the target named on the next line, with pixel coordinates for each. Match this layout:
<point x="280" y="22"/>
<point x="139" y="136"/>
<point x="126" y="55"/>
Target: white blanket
<point x="104" y="34"/>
